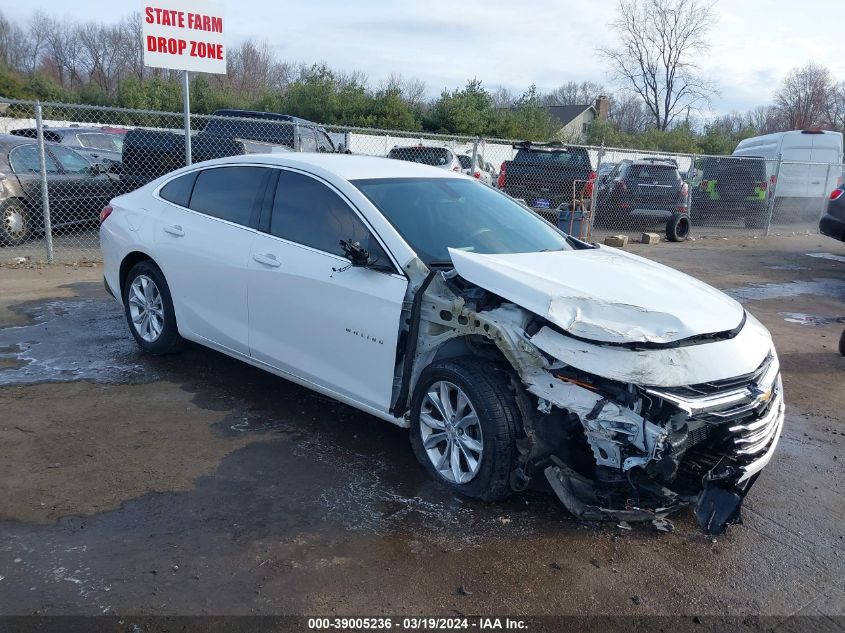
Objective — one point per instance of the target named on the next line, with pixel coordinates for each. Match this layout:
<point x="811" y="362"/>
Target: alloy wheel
<point x="451" y="432"/>
<point x="145" y="308"/>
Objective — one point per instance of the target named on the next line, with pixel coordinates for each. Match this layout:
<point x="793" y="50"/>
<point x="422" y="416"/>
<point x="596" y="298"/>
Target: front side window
<point x="307" y="142"/>
<point x="24" y="160"/>
<point x="435" y="214"/>
<point x="71" y="162"/>
<point x="230" y="193"/>
<point x="307" y="212"/>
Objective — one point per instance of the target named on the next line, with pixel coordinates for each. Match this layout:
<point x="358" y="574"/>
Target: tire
<point x="497" y="426"/>
<point x="678" y="227"/>
<point x="842" y="343"/>
<point x="146" y="285"/>
<point x="14" y="223"/>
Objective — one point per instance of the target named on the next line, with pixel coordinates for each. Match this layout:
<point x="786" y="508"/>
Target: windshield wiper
<point x="440" y="264"/>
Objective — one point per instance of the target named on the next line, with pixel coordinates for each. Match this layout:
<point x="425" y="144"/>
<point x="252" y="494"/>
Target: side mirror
<point x="353" y="251"/>
<point x="98" y="168"/>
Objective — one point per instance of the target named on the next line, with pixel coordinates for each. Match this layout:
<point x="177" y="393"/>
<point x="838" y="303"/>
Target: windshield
<point x="418" y="154"/>
<point x="434" y="214"/>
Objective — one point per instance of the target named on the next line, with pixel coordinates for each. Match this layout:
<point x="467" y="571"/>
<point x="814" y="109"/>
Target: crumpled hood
<point x="604" y="294"/>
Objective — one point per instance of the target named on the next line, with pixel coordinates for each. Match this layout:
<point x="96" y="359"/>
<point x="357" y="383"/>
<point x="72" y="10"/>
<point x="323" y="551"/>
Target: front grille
<point x="721" y="386"/>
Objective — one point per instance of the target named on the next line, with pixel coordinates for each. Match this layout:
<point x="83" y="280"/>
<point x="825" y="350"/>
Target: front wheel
<point x="149" y="309"/>
<point x="464" y="425"/>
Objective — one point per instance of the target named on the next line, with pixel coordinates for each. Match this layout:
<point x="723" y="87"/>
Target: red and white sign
<point x="184" y="35"/>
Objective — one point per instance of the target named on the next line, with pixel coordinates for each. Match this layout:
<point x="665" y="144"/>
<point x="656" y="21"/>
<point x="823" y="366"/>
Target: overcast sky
<point x="509" y="43"/>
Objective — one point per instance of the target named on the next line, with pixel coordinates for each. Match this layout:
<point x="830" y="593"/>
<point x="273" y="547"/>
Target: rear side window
<point x="307" y="212"/>
<point x="71" y="162"/>
<point x="230" y="193"/>
<point x="178" y="190"/>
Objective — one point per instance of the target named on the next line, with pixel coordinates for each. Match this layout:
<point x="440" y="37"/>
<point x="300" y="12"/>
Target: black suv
<point x="649" y="188"/>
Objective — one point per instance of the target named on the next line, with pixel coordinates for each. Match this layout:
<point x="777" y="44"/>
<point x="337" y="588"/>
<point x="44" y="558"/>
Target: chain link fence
<point x="61" y="164"/>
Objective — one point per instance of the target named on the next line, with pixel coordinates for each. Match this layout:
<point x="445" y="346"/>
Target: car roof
<point x="345" y="166"/>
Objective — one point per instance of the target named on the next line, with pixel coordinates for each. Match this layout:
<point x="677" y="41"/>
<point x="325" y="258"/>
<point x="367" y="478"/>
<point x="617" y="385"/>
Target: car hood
<point x="604" y="294"/>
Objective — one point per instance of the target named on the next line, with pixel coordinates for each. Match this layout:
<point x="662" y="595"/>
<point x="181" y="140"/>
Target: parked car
<point x="547" y="175"/>
<point x="98" y="145"/>
<point x="804" y="177"/>
<point x="510" y="350"/>
<point x="148" y="154"/>
<point x="832" y="223"/>
<point x="727" y="187"/>
<point x="433" y="155"/>
<point x="77" y="188"/>
<point x="479" y="172"/>
<point x="647" y="188"/>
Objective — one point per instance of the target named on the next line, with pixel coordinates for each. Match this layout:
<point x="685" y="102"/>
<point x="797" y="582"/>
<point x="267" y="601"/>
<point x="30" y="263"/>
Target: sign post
<point x="184" y="35"/>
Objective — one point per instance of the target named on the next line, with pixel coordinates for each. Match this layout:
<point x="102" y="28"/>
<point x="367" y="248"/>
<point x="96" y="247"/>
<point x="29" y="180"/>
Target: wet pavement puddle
<point x="759" y="292"/>
<point x="830" y="256"/>
<point x="810" y="319"/>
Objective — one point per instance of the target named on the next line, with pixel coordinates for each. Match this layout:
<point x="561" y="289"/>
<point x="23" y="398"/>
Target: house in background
<point x="575" y="120"/>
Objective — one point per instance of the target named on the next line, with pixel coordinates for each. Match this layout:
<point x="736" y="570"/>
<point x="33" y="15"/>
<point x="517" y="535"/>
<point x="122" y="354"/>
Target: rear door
<point x="203" y="238"/>
<point x="310" y="313"/>
<point x="794" y="175"/>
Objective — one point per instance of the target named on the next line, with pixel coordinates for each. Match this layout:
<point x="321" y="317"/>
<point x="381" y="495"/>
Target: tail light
<point x="702" y="186"/>
<point x="500" y="181"/>
<point x="773" y="180"/>
<point x="477" y="174"/>
<point x="456" y="168"/>
<point x="836" y="194"/>
<point x="684" y="190"/>
<point x="105" y="213"/>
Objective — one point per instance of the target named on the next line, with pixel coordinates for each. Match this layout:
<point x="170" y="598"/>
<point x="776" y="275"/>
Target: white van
<point x="811" y="167"/>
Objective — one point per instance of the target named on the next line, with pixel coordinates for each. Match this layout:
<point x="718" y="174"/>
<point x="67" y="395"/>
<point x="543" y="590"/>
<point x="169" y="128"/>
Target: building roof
<point x="568" y="113"/>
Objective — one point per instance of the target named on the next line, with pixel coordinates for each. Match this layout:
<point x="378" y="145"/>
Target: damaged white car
<point x="513" y="352"/>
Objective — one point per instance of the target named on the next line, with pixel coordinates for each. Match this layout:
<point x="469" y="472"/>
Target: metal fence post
<point x="691" y="172"/>
<point x="186" y="88"/>
<point x="594" y="194"/>
<point x="45" y="193"/>
<point x="772" y="194"/>
<point x="474" y="156"/>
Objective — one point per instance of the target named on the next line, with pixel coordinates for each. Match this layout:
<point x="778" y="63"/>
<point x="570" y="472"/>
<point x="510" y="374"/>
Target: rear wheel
<point x="842" y="343"/>
<point x="149" y="309"/>
<point x="14" y="229"/>
<point x="678" y="227"/>
<point x="464" y="425"/>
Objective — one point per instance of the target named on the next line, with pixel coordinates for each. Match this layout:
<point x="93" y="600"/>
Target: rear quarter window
<point x="178" y="190"/>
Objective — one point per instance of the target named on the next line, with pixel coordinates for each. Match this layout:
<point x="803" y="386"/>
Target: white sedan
<point x="512" y="351"/>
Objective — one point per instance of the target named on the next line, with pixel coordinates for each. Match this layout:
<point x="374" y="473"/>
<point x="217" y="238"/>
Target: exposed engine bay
<point x="629" y="413"/>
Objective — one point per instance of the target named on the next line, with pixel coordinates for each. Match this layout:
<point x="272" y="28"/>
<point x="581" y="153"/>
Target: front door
<point x="310" y="313"/>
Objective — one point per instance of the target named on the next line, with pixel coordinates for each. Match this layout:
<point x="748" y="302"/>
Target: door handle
<point x="174" y="229"/>
<point x="268" y="260"/>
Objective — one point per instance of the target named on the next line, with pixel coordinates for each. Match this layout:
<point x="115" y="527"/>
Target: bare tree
<point x="572" y="93"/>
<point x="803" y="96"/>
<point x="628" y="113"/>
<point x="835" y="110"/>
<point x="503" y="98"/>
<point x="15" y="44"/>
<point x="659" y="41"/>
